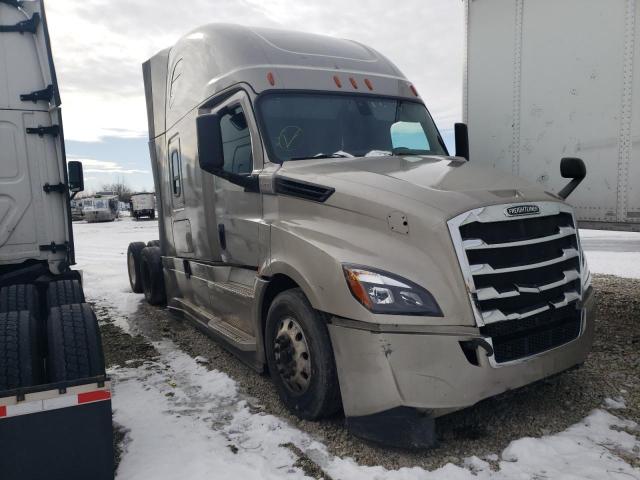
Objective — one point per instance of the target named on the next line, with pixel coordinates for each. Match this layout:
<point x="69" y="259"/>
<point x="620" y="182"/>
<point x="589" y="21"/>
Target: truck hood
<point x="440" y="186"/>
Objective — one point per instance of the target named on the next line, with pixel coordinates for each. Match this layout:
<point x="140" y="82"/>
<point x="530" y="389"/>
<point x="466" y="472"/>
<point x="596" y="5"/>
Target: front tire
<point x="300" y="357"/>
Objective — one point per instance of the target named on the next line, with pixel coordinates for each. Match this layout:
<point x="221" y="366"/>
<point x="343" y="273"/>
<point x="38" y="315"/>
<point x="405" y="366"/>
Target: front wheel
<point x="300" y="357"/>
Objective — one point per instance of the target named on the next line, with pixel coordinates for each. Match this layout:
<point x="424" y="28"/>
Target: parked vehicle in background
<point x="76" y="210"/>
<point x="143" y="205"/>
<point x="102" y="207"/>
<point x="312" y="220"/>
<point x="543" y="82"/>
<point x="55" y="408"/>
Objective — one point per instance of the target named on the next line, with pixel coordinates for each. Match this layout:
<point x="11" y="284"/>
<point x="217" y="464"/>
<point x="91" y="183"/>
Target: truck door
<point x="239" y="213"/>
<point x="181" y="227"/>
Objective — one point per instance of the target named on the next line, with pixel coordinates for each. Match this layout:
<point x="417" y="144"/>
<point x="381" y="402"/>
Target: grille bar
<point x="485" y="268"/>
<point x="477" y="244"/>
<point x="523" y="275"/>
<point x="491" y="293"/>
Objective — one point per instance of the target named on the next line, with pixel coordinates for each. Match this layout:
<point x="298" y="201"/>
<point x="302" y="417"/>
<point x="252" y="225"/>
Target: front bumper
<point x="428" y="370"/>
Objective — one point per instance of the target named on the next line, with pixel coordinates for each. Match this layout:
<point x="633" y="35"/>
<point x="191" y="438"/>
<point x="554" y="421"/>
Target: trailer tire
<point x="64" y="292"/>
<point x="152" y="275"/>
<point x="134" y="253"/>
<point x="153" y="243"/>
<point x="75" y="347"/>
<point x="20" y="362"/>
<point x="20" y="297"/>
<point x="153" y="215"/>
<point x="297" y="339"/>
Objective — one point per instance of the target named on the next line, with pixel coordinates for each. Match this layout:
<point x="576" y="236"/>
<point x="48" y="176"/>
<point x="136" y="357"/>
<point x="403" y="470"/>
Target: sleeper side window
<point x="236" y="141"/>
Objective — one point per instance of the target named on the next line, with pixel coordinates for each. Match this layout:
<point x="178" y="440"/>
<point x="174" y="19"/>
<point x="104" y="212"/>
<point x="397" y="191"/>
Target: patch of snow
<point x="617" y="403"/>
<point x="101" y="255"/>
<point x="184" y="421"/>
<point x="612" y="253"/>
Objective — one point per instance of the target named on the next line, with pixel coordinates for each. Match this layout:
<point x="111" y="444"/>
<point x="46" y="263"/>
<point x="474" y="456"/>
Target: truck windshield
<point x="302" y="126"/>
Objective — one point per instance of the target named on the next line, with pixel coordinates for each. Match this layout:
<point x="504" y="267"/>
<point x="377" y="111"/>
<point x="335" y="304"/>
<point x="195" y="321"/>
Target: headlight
<point x="382" y="292"/>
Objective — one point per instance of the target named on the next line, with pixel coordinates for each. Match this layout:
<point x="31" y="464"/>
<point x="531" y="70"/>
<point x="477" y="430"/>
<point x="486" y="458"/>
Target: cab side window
<point x="236" y="141"/>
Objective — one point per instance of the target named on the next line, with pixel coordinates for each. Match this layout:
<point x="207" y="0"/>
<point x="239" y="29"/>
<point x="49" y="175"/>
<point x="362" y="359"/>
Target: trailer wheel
<point x="153" y="215"/>
<point x="20" y="363"/>
<point x="153" y="243"/>
<point x="153" y="276"/>
<point x="64" y="292"/>
<point x="20" y="297"/>
<point x="133" y="265"/>
<point x="75" y="347"/>
<point x="300" y="357"/>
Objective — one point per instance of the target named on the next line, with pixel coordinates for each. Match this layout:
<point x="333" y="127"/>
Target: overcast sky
<point x="99" y="46"/>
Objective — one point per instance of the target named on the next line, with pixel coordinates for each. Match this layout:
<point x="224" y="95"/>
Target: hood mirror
<point x="462" y="140"/>
<point x="575" y="169"/>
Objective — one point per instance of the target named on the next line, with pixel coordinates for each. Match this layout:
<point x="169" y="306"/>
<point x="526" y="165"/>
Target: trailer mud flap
<point x="74" y="441"/>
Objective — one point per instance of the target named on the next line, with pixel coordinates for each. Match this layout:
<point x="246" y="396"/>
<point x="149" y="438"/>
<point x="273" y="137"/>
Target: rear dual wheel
<point x="20" y="364"/>
<point x="152" y="276"/>
<point x="134" y="253"/>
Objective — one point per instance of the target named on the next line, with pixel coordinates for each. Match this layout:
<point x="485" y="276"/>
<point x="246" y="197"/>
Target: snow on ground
<point x="612" y="253"/>
<point x="187" y="422"/>
<point x="101" y="253"/>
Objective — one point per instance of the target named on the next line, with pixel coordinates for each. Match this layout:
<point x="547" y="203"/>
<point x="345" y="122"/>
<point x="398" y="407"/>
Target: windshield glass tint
<point x="303" y="125"/>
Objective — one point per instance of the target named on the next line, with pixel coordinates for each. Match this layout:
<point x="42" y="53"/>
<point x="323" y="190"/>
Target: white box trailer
<point x="55" y="407"/>
<point x="546" y="79"/>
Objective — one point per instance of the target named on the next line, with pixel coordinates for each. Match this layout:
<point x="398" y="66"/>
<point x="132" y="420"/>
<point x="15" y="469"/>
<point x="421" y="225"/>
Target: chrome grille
<point x="523" y="276"/>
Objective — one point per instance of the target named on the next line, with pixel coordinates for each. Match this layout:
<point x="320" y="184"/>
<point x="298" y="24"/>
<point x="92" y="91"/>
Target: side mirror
<point x="462" y="140"/>
<point x="575" y="169"/>
<point x="210" y="153"/>
<point x="76" y="177"/>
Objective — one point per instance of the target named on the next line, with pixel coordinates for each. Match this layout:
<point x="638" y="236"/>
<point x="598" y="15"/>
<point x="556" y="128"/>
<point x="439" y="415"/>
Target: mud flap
<point x="401" y="427"/>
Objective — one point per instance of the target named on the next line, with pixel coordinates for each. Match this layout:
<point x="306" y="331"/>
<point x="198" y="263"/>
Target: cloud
<point x="99" y="46"/>
<point x="91" y="165"/>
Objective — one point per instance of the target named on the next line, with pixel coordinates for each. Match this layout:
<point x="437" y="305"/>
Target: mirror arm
<point x="73" y="195"/>
<point x="569" y="188"/>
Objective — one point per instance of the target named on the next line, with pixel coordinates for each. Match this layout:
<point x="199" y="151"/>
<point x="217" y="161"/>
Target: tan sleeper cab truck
<point x="312" y="221"/>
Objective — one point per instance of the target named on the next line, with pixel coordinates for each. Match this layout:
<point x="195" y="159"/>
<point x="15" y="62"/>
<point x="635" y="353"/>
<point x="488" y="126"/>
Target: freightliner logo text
<point x="522" y="210"/>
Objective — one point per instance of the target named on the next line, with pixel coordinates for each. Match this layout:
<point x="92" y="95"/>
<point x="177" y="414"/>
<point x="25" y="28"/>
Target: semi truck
<point x="546" y="79"/>
<point x="312" y="220"/>
<point x="143" y="205"/>
<point x="55" y="408"/>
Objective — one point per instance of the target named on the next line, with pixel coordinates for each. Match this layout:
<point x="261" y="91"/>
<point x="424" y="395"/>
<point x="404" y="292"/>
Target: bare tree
<point x="120" y="187"/>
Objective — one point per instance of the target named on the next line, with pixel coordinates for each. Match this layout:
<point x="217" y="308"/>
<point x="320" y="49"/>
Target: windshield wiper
<point x="324" y="155"/>
<point x="409" y="151"/>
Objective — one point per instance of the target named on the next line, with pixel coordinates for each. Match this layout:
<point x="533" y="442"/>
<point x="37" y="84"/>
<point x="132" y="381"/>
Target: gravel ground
<point x="611" y="370"/>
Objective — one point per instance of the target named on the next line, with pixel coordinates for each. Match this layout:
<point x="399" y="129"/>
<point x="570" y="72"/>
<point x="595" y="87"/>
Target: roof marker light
<point x="336" y="79"/>
<point x="413" y="89"/>
<point x="353" y="82"/>
<point x="271" y="79"/>
<point x="368" y="83"/>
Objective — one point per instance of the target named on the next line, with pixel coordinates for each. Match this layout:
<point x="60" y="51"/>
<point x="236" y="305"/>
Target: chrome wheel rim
<point x="292" y="356"/>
